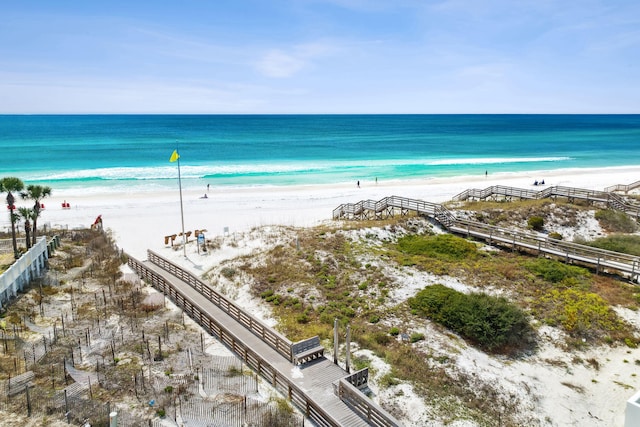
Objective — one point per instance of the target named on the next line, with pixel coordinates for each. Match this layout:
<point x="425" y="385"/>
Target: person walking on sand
<point x="358" y="184"/>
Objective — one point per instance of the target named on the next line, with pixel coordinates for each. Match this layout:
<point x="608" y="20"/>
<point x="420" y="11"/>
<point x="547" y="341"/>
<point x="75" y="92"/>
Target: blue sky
<point x="320" y="56"/>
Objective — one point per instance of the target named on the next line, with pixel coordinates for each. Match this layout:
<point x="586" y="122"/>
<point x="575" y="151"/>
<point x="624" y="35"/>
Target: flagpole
<point x="184" y="236"/>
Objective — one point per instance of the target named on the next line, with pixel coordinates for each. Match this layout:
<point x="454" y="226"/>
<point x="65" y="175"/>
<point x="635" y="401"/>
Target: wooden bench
<point x="306" y="350"/>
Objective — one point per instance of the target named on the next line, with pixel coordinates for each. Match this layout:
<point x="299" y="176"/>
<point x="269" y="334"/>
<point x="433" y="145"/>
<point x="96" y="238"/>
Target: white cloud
<point x="279" y="64"/>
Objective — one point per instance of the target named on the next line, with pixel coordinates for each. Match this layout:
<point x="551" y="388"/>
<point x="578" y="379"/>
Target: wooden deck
<point x="599" y="259"/>
<point x="315" y="387"/>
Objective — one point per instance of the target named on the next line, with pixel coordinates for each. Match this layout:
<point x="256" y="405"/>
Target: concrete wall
<point x="632" y="413"/>
<point x="24" y="270"/>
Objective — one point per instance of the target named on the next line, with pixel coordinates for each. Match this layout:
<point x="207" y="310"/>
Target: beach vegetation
<point x="492" y="323"/>
<point x="583" y="315"/>
<point x="555" y="271"/>
<point x="28" y="216"/>
<point x="446" y="247"/>
<point x="12" y="185"/>
<point x="228" y="272"/>
<point x="624" y="243"/>
<point x="555" y="235"/>
<point x="536" y="223"/>
<point x="36" y="193"/>
<point x="336" y="274"/>
<point x="616" y="221"/>
<point x="416" y="336"/>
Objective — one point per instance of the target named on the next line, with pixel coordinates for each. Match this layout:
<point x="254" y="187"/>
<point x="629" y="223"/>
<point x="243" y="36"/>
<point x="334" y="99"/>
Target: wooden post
<point x="335" y="341"/>
<point x="66" y="407"/>
<point x="348" y="350"/>
<point x="28" y="401"/>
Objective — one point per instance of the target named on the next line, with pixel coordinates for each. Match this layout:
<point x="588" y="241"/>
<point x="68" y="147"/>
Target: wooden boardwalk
<point x="609" y="198"/>
<point x="600" y="259"/>
<point x="324" y="392"/>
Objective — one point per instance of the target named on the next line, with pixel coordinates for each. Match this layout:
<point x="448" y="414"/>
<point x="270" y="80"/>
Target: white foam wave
<point x="494" y="160"/>
<point x="194" y="172"/>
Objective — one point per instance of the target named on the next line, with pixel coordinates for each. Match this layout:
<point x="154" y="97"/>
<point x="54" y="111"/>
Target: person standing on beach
<point x="358" y="184"/>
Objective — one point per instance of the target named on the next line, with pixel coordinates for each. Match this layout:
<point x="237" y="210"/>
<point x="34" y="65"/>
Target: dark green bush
<point x="536" y="223"/>
<point x="442" y="246"/>
<point x="555" y="235"/>
<point x="492" y="323"/>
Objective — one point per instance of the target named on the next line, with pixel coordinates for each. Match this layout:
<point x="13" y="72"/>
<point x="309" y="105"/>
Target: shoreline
<point x="140" y="220"/>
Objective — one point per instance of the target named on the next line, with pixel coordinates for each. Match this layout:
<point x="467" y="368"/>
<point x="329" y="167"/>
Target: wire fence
<point x="64" y="369"/>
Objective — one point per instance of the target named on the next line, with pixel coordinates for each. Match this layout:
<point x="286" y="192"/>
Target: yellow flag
<point x="175" y="156"/>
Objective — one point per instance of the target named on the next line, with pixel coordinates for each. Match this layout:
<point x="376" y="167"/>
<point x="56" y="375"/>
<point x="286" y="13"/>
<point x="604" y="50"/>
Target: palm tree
<point x="8" y="185"/>
<point x="36" y="193"/>
<point x="28" y="215"/>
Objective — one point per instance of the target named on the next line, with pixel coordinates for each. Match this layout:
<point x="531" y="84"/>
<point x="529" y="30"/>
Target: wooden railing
<point x="278" y="342"/>
<point x="359" y="378"/>
<point x="261" y="366"/>
<point x="598" y="258"/>
<point x="612" y="200"/>
<point x="365" y="407"/>
<point x="622" y="187"/>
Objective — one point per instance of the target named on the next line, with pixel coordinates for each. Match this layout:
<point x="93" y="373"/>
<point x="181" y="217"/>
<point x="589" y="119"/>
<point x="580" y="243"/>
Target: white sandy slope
<point x="559" y="390"/>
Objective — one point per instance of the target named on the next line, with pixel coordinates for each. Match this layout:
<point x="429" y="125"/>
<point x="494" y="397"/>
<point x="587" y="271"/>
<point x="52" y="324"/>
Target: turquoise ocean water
<point x="100" y="152"/>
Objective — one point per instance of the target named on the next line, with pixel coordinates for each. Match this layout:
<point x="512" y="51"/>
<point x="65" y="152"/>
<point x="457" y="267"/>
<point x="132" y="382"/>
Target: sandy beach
<point x="139" y="221"/>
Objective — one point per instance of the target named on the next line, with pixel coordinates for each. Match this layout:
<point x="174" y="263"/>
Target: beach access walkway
<point x="322" y="390"/>
<point x="600" y="259"/>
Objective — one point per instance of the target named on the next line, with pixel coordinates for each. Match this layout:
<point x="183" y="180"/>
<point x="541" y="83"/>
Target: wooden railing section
<point x="612" y="200"/>
<point x="279" y="343"/>
<point x="349" y="394"/>
<point x="598" y="258"/>
<point x="622" y="187"/>
<point x="261" y="366"/>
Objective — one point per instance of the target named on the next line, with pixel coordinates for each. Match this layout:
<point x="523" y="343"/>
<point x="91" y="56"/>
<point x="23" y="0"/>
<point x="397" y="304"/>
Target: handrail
<point x="265" y="369"/>
<point x="278" y="342"/>
<point x="349" y="394"/>
<point x="600" y="258"/>
<point x="623" y="187"/>
<point x="612" y="200"/>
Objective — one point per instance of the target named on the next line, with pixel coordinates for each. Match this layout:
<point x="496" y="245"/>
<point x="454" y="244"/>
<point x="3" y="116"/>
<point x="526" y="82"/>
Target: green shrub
<point x="555" y="235"/>
<point x="266" y="294"/>
<point x="618" y="243"/>
<point x="581" y="314"/>
<point x="616" y="221"/>
<point x="536" y="223"/>
<point x="555" y="271"/>
<point x="442" y="246"/>
<point x="228" y="272"/>
<point x="492" y="323"/>
<point x="381" y="338"/>
<point x="416" y="336"/>
<point x="394" y="332"/>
